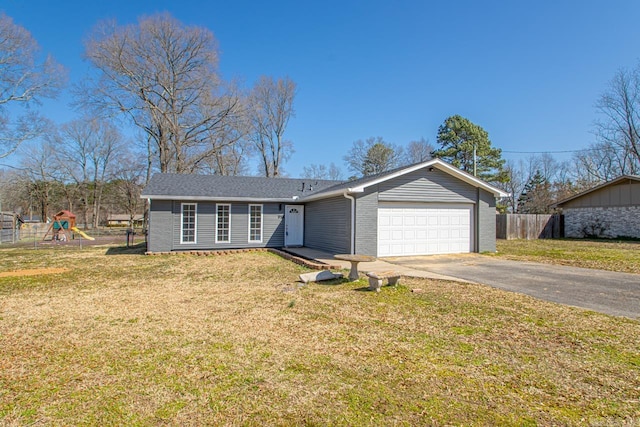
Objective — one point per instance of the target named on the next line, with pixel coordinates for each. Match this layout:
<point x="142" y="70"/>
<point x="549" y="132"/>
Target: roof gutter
<point x="334" y="193"/>
<point x="353" y="221"/>
<point x="219" y="199"/>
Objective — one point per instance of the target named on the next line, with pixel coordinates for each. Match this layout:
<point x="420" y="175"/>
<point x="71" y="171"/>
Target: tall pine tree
<point x="458" y="137"/>
<point x="536" y="196"/>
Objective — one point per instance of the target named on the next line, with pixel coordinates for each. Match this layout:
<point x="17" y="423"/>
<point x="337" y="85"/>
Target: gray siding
<point x="427" y="186"/>
<point x="165" y="234"/>
<point x="160" y="226"/>
<point x="430" y="187"/>
<point x="485" y="222"/>
<point x="367" y="222"/>
<point x="327" y="225"/>
<point x="272" y="226"/>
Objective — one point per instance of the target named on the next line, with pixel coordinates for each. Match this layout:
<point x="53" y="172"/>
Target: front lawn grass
<point x="611" y="255"/>
<point x="127" y="339"/>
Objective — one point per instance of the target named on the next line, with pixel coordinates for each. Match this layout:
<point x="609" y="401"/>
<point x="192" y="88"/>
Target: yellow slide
<point x="82" y="233"/>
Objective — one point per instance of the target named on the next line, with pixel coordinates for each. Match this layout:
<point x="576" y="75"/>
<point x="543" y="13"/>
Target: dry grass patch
<point x="622" y="256"/>
<point x="33" y="272"/>
<point x="186" y="340"/>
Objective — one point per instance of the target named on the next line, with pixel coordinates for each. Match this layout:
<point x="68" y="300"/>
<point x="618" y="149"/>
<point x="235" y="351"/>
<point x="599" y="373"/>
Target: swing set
<point x="63" y="227"/>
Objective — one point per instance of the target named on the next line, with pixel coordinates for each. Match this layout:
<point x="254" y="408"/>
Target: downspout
<point x="147" y="223"/>
<point x="353" y="221"/>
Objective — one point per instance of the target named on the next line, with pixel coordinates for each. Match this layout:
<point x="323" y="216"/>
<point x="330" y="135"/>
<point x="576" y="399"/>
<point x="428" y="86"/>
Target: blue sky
<point x="527" y="72"/>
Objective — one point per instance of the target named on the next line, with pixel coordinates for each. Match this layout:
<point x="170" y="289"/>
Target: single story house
<point x="124" y="220"/>
<point x="425" y="208"/>
<point x="608" y="210"/>
<point x="33" y="219"/>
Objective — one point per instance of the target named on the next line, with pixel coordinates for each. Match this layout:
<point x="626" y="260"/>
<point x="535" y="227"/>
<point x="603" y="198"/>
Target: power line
<point x="551" y="152"/>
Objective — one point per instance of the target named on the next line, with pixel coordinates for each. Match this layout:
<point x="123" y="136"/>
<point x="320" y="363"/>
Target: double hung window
<point x="223" y="223"/>
<point x="255" y="223"/>
<point x="188" y="223"/>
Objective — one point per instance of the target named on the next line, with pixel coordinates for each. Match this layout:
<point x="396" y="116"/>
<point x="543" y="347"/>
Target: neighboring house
<point x="32" y="219"/>
<point x="426" y="208"/>
<point x="123" y="220"/>
<point x="608" y="210"/>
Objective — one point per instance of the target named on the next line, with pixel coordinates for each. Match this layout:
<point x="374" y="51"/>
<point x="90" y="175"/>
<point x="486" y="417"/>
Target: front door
<point x="294" y="225"/>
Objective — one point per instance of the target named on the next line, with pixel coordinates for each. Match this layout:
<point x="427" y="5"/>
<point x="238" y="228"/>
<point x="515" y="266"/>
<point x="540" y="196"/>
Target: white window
<point x="188" y="223"/>
<point x="255" y="223"/>
<point x="223" y="223"/>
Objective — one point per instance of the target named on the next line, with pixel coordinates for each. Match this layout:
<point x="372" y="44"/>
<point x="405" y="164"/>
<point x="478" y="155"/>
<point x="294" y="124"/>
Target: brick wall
<point x="604" y="222"/>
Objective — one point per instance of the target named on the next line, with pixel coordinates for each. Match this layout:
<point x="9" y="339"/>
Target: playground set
<point x="63" y="228"/>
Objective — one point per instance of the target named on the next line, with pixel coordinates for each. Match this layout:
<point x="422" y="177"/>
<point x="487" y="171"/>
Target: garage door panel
<point x="423" y="229"/>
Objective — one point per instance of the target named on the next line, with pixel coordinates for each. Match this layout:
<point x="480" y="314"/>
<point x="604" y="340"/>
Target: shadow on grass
<point x="138" y="249"/>
<point x="344" y="281"/>
<point x="337" y="281"/>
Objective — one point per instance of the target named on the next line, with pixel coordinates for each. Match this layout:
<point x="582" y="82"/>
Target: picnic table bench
<point x="354" y="259"/>
<point x="376" y="278"/>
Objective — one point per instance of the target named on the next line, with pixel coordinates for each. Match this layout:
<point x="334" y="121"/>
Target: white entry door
<point x="424" y="229"/>
<point x="294" y="225"/>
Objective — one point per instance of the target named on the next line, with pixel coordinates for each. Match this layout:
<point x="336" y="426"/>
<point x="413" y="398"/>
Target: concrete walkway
<point x="364" y="267"/>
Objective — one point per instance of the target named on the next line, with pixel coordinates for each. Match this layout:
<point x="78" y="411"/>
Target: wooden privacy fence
<point x="9" y="227"/>
<point x="529" y="226"/>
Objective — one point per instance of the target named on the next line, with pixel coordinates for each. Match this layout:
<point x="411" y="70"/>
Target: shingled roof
<point x="216" y="187"/>
<point x="251" y="188"/>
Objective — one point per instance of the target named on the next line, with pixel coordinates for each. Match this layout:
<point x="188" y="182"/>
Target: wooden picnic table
<point x="354" y="259"/>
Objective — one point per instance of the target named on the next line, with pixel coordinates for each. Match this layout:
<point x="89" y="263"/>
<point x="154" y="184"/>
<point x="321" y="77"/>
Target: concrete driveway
<point x="607" y="292"/>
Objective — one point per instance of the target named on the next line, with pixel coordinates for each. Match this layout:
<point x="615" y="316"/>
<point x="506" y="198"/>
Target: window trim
<point x="228" y="205"/>
<point x="195" y="224"/>
<point x="261" y="223"/>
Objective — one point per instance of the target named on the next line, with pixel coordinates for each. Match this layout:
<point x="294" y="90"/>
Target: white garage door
<point x="424" y="229"/>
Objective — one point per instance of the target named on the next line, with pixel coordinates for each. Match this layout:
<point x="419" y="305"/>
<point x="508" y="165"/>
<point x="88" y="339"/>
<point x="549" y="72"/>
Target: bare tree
<point x="515" y="184"/>
<point x="604" y="161"/>
<point x="163" y="76"/>
<point x="618" y="129"/>
<point x="232" y="159"/>
<point x="372" y="156"/>
<point x="23" y="81"/>
<point x="322" y="171"/>
<point x="87" y="151"/>
<point x="537" y="181"/>
<point x="127" y="185"/>
<point x="227" y="148"/>
<point x="418" y="151"/>
<point x="270" y="108"/>
<point x="14" y="192"/>
<point x="38" y="171"/>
